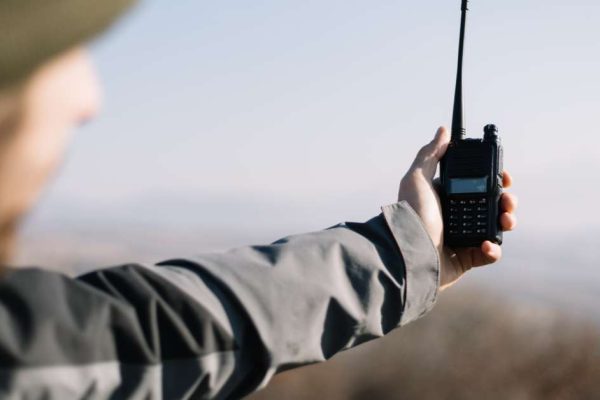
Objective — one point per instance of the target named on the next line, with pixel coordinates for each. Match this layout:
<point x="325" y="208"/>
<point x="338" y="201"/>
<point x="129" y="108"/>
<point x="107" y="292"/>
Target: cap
<point x="32" y="31"/>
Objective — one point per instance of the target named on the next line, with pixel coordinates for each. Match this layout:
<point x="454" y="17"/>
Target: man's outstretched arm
<point x="219" y="325"/>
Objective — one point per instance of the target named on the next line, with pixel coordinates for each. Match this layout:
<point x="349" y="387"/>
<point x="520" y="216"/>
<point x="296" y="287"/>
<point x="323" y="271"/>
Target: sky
<point x="275" y="115"/>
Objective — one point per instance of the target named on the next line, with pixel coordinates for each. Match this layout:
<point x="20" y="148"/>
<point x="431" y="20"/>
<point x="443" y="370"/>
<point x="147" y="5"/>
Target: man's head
<point x="47" y="87"/>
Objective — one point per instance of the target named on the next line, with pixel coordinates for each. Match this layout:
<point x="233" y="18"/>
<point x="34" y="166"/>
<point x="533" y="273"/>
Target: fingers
<point x="490" y="253"/>
<point x="440" y="142"/>
<point x="509" y="203"/>
<point x="430" y="155"/>
<point x="507" y="180"/>
<point x="508" y="222"/>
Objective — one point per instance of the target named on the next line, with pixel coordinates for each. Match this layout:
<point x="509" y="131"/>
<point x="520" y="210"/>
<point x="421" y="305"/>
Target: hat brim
<point x="32" y="31"/>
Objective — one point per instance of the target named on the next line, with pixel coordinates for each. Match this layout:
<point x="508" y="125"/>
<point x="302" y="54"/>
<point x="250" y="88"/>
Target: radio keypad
<point x="468" y="217"/>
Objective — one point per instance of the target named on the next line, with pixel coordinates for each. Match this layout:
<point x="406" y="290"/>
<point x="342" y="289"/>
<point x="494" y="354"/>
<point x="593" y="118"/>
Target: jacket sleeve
<point x="215" y="326"/>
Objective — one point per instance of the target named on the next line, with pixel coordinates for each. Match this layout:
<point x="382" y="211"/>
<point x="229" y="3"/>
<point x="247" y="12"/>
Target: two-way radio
<point x="471" y="175"/>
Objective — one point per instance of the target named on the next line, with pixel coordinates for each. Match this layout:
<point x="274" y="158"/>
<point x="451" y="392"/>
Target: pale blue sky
<point x="306" y="113"/>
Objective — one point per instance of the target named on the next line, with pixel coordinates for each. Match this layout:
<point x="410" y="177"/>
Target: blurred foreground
<point x="472" y="346"/>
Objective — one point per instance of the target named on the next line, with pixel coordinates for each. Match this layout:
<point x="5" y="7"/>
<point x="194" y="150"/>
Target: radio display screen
<point x="468" y="185"/>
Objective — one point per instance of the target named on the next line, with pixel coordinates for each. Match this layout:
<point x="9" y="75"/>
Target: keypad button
<point x="468" y="217"/>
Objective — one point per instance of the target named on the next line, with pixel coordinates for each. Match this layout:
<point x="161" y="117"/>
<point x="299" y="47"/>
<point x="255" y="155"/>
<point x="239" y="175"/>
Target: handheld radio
<point x="471" y="175"/>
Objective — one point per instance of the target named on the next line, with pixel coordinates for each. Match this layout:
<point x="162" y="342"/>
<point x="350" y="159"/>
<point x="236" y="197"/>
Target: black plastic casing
<point x="467" y="159"/>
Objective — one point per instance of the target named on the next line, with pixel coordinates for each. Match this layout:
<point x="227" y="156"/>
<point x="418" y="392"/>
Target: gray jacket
<point x="216" y="326"/>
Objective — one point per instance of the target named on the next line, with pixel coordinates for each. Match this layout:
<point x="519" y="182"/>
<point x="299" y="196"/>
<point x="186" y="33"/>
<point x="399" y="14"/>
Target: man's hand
<point x="418" y="189"/>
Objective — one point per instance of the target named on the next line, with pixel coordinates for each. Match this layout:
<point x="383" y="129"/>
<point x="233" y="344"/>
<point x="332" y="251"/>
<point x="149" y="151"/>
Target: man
<point x="220" y="325"/>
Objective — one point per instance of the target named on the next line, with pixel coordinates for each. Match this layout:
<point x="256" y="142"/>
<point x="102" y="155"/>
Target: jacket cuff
<point x="421" y="260"/>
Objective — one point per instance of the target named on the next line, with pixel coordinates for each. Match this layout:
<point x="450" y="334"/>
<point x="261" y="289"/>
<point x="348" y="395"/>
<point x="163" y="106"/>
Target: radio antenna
<point x="458" y="123"/>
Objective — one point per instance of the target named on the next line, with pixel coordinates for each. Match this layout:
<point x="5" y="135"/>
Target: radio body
<point x="471" y="188"/>
<point x="471" y="174"/>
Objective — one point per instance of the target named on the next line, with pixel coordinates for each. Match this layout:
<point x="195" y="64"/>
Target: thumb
<point x="430" y="155"/>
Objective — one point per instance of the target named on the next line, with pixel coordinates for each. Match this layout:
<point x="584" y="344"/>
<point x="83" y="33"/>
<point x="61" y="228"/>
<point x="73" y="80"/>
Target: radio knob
<point x="490" y="133"/>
